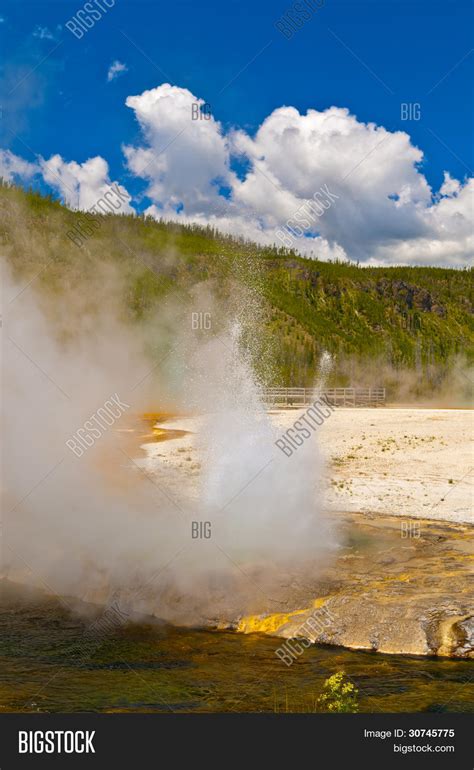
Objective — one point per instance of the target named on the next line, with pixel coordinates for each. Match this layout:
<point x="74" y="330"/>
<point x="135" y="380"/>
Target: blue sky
<point x="368" y="57"/>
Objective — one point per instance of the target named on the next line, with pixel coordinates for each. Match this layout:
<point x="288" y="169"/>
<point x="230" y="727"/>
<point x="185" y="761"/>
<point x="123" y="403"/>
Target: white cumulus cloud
<point x="82" y="185"/>
<point x="382" y="207"/>
<point x="185" y="160"/>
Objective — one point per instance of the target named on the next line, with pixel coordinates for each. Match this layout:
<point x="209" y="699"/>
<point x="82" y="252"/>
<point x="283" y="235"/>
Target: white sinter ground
<point x="397" y="461"/>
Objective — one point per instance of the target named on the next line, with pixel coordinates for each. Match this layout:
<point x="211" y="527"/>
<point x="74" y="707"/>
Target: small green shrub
<point x="339" y="695"/>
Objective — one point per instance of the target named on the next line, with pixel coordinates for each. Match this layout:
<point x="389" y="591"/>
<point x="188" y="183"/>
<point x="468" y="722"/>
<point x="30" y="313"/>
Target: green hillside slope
<point x="382" y="325"/>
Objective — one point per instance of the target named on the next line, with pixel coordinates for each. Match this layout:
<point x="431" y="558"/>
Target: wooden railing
<point x="336" y="396"/>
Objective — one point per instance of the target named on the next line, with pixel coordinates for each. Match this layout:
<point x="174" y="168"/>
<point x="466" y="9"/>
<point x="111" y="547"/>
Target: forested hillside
<point x="383" y="325"/>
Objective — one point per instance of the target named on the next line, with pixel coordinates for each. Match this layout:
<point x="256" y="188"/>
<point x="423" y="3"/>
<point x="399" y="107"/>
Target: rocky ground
<point x="388" y="591"/>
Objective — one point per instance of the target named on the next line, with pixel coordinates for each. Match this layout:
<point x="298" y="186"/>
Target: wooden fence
<point x="337" y="396"/>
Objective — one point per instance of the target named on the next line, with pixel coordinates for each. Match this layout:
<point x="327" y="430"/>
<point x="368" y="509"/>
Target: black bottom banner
<point x="321" y="740"/>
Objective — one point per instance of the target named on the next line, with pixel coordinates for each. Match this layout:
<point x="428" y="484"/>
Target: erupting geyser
<point x="267" y="506"/>
<point x="94" y="526"/>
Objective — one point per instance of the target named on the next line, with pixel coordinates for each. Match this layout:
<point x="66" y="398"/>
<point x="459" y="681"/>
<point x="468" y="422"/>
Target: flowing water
<point x="153" y="667"/>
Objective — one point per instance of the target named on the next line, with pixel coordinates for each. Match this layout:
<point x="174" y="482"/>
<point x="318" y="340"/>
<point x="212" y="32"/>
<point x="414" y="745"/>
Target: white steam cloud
<point x="93" y="525"/>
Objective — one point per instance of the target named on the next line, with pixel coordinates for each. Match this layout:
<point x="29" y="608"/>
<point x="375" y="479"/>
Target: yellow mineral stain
<point x="162" y="434"/>
<point x="157" y="416"/>
<point x="266" y="624"/>
<point x="320" y="602"/>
